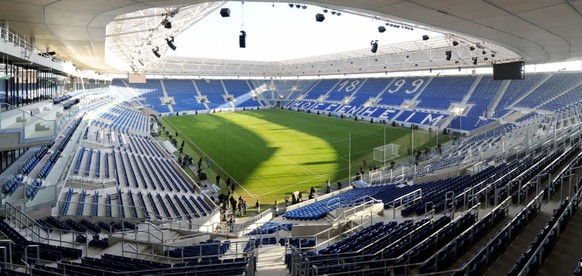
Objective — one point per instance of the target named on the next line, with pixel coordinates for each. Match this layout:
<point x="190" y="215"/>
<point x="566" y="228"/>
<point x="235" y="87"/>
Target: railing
<point x="32" y="127"/>
<point x="33" y="229"/>
<point x="535" y="202"/>
<point x="539" y="251"/>
<point x="19" y="41"/>
<point x="403" y="201"/>
<point x="325" y="237"/>
<point x="355" y="206"/>
<point x="359" y="258"/>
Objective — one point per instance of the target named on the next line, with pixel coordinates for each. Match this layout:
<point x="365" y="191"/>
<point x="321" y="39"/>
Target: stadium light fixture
<point x="242" y="39"/>
<point x="319" y="17"/>
<point x="472" y="48"/>
<point x="324" y="10"/>
<point x="455" y="43"/>
<point x="381" y="29"/>
<point x="156" y="52"/>
<point x="298" y="6"/>
<point x="449" y="54"/>
<point x="425" y="37"/>
<point x="166" y="23"/>
<point x="170" y="42"/>
<point x="304" y="6"/>
<point x="374" y="44"/>
<point x="291" y="5"/>
<point x="225" y="12"/>
<point x="338" y="13"/>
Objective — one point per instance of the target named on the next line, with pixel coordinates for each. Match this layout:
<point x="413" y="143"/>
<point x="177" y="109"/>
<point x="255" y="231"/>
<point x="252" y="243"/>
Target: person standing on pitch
<point x="328" y="186"/>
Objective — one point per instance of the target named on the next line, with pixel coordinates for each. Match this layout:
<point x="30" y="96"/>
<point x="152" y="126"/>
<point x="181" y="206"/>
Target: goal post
<point x="386" y="152"/>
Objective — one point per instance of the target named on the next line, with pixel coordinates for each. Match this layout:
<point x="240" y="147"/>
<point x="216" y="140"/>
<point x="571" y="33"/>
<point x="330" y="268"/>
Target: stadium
<point x="315" y="138"/>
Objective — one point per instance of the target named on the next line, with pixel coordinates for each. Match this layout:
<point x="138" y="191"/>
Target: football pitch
<point x="270" y="153"/>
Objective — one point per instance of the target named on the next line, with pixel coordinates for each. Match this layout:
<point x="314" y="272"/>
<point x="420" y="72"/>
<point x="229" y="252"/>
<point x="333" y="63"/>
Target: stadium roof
<point x="538" y="31"/>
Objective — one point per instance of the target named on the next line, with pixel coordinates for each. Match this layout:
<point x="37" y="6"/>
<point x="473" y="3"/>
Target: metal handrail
<point x="507" y="226"/>
<point x="538" y="250"/>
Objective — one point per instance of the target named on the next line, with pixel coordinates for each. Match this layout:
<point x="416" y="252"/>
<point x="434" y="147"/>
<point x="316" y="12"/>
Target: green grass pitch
<point x="269" y="153"/>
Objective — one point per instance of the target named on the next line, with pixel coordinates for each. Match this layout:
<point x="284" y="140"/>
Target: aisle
<point x="271" y="261"/>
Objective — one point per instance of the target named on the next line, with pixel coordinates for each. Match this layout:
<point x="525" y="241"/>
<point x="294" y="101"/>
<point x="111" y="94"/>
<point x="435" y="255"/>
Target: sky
<point x="277" y="32"/>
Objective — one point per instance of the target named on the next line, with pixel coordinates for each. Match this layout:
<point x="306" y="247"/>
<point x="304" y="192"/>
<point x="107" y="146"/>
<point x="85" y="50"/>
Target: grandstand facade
<point x="94" y="184"/>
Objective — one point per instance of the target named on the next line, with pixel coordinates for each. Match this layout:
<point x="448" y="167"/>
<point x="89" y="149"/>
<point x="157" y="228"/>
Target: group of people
<point x="328" y="186"/>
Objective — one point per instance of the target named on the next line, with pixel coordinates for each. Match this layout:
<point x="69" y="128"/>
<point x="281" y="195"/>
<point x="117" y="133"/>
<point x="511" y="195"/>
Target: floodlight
<point x="166" y="23"/>
<point x="319" y="17"/>
<point x="374" y="44"/>
<point x="455" y="43"/>
<point x="225" y="12"/>
<point x="156" y="52"/>
<point x="170" y="42"/>
<point x="425" y="37"/>
<point x="242" y="39"/>
<point x="381" y="29"/>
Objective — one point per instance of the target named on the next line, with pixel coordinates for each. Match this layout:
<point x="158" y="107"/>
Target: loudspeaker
<point x="374" y="47"/>
<point x="319" y="17"/>
<point x="242" y="39"/>
<point x="225" y="12"/>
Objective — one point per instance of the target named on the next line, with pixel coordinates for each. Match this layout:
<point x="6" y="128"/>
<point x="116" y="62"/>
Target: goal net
<point x="386" y="152"/>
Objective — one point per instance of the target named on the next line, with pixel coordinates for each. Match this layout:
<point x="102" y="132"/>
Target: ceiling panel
<point x="555" y="16"/>
<point x="518" y="6"/>
<point x="21" y="12"/>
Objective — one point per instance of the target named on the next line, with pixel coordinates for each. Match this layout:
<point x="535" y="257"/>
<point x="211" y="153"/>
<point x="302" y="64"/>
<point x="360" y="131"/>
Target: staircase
<point x="491" y="108"/>
<point x="163" y="85"/>
<point x="200" y="95"/>
<point x="557" y="96"/>
<point x="471" y="90"/>
<point x="563" y="258"/>
<point x="531" y="90"/>
<point x="506" y="261"/>
<point x="18" y="128"/>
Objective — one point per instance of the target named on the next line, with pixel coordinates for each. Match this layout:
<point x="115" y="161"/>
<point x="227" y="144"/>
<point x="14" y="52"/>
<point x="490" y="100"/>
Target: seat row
<point x="33" y="160"/>
<point x="488" y="253"/>
<point x="542" y="245"/>
<point x="209" y="248"/>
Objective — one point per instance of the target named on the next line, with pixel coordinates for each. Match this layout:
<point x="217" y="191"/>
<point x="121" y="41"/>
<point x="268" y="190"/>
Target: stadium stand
<point x="107" y="195"/>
